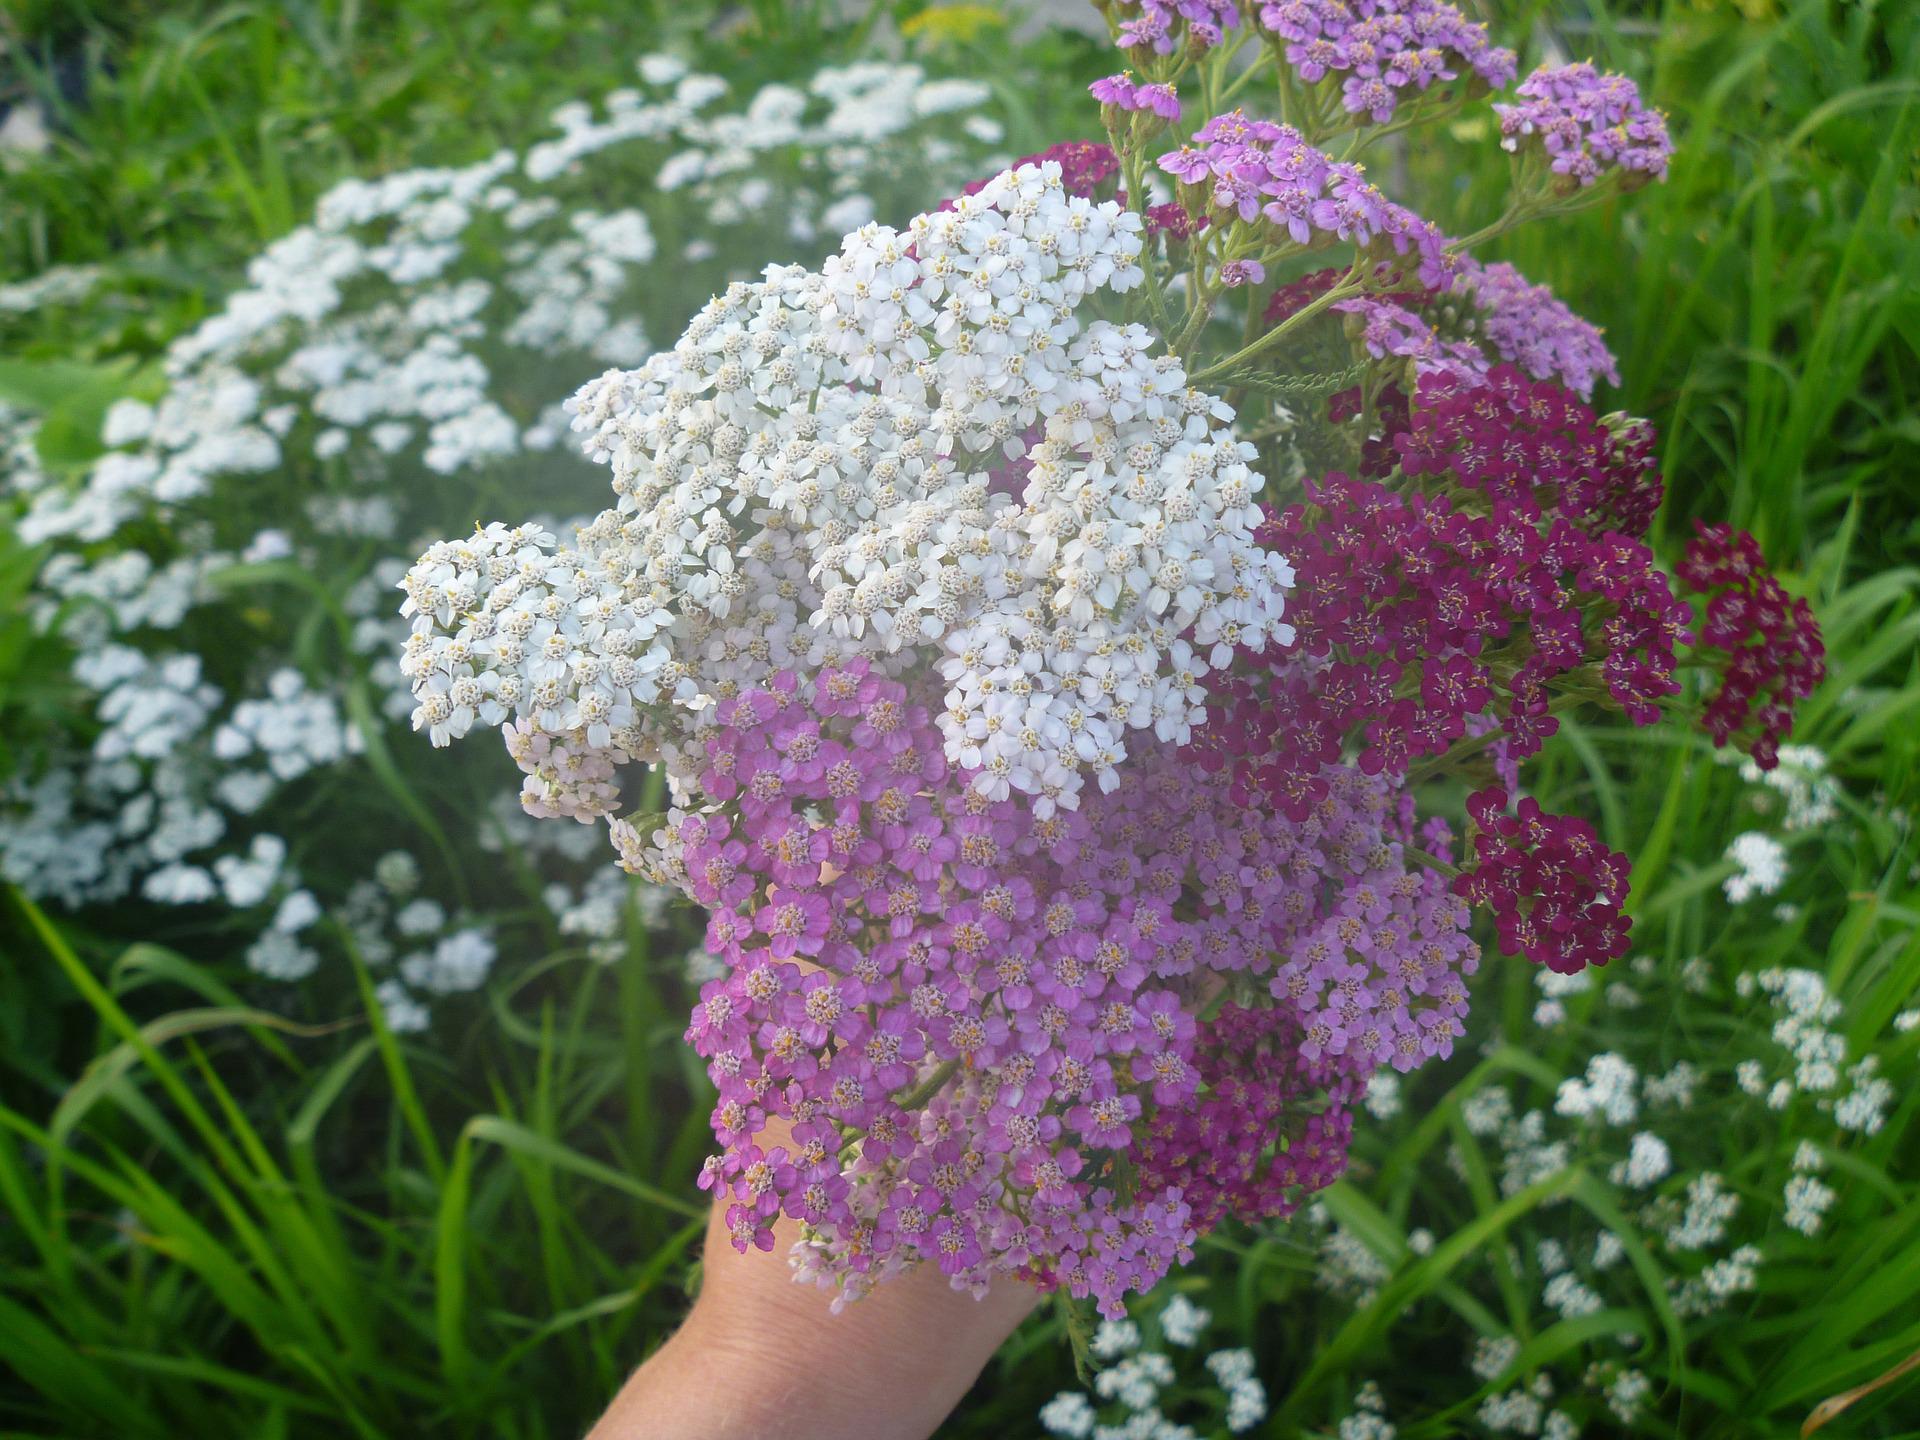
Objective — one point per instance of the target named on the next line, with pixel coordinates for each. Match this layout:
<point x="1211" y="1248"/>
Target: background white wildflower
<point x="1762" y="866"/>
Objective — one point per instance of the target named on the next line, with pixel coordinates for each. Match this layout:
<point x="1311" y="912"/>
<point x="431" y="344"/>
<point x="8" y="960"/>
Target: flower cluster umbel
<point x="1052" y="778"/>
<point x="1002" y="1017"/>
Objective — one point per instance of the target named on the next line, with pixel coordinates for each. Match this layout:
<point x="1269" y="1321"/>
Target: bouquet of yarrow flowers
<point x="1045" y="624"/>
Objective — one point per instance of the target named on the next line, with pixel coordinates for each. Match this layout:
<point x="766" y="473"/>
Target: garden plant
<point x="1153" y="712"/>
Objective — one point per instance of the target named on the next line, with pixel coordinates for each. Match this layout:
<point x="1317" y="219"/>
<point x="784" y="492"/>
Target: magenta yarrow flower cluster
<point x="1533" y="444"/>
<point x="1381" y="51"/>
<point x="1587" y="125"/>
<point x="881" y="917"/>
<point x="1256" y="1081"/>
<point x="1422" y="623"/>
<point x="1400" y="580"/>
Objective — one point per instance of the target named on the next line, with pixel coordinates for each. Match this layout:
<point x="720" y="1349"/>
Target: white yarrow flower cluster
<point x="1648" y="1162"/>
<point x="924" y="454"/>
<point x="1369" y="1418"/>
<point x="1807" y="1028"/>
<point x="1807" y="1201"/>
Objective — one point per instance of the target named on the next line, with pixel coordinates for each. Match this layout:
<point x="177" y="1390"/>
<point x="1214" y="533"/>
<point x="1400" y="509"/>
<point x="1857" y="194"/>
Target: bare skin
<point x="761" y="1358"/>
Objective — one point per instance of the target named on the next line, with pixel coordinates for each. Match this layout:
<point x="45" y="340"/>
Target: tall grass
<point x="225" y="1228"/>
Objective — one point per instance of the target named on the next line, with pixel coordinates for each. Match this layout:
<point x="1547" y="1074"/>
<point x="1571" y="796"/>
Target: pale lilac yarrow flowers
<point x="1587" y="124"/>
<point x="1256" y="171"/>
<point x="1382" y="49"/>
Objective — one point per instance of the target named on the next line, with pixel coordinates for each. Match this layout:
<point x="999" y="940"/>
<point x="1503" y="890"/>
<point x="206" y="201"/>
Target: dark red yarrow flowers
<point x="1413" y="616"/>
<point x="1533" y="443"/>
<point x="1555" y="891"/>
<point x="1767" y="642"/>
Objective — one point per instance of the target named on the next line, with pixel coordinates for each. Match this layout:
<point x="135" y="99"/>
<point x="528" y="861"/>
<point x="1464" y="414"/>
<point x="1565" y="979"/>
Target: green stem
<point x="1417" y="115"/>
<point x="1516" y="216"/>
<point x="1238" y="84"/>
<point x="917" y="1097"/>
<point x="1346" y="290"/>
<point x="1432" y="862"/>
<point x="1465" y="750"/>
<point x="1134" y="166"/>
<point x="1201" y="302"/>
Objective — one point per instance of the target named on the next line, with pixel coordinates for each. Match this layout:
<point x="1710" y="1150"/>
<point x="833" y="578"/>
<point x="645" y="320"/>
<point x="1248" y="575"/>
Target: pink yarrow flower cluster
<point x="1532" y="327"/>
<point x="1123" y="93"/>
<point x="1162" y="27"/>
<point x="1587" y="124"/>
<point x="1493" y="314"/>
<point x="963" y="1014"/>
<point x="1258" y="173"/>
<point x="1388" y="328"/>
<point x="1381" y="51"/>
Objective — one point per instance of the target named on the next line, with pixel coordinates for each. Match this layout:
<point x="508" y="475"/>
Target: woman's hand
<point x="763" y="1357"/>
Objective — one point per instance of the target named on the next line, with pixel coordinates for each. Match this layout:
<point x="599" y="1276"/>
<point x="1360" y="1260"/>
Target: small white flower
<point x="1807" y="1203"/>
<point x="278" y="956"/>
<point x="1607" y="1091"/>
<point x="1648" y="1162"/>
<point x="1382" y="1095"/>
<point x="404" y="1015"/>
<point x="1626" y="1393"/>
<point x="1709" y="1209"/>
<point x="297" y="911"/>
<point x="1115" y="1338"/>
<point x="1492" y="1355"/>
<point x="1762" y="862"/>
<point x="1181" y="1321"/>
